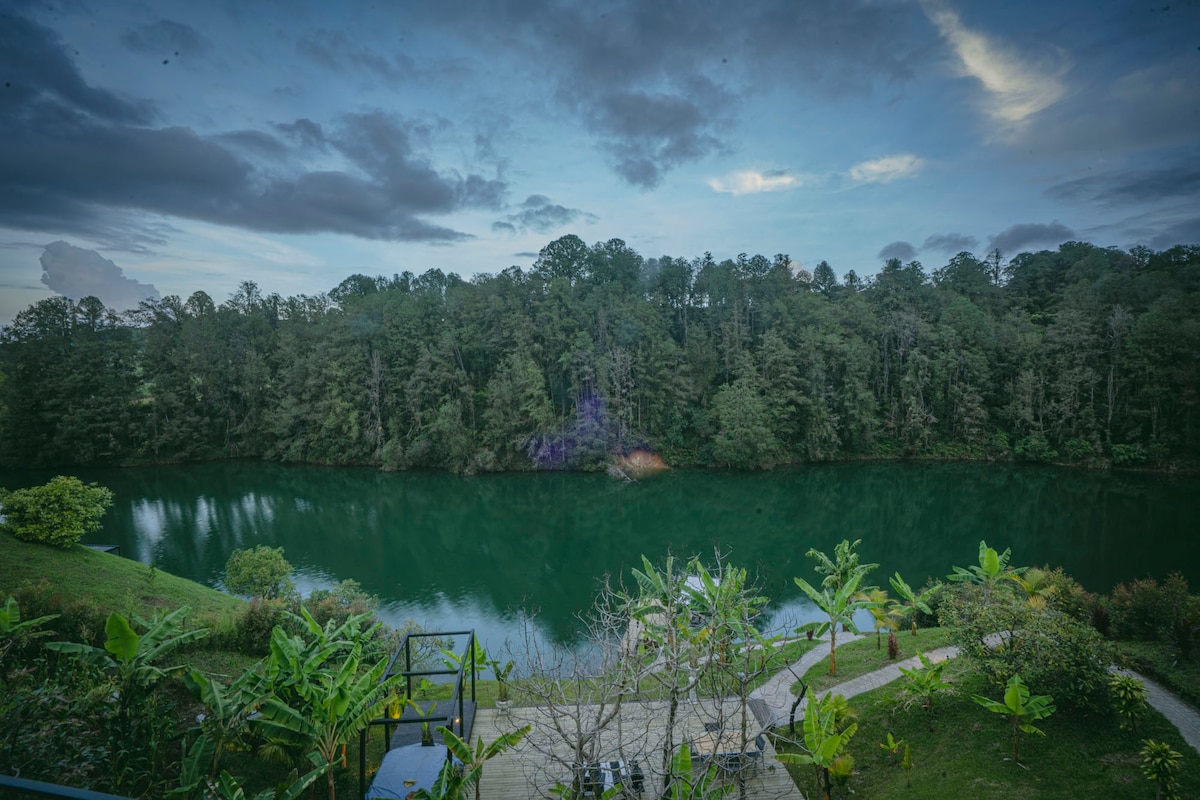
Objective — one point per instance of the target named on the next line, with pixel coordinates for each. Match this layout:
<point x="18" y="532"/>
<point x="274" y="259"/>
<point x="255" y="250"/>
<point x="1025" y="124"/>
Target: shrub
<point x="1128" y="455"/>
<point x="1048" y="648"/>
<point x="58" y="513"/>
<point x="1078" y="449"/>
<point x="1148" y="610"/>
<point x="1067" y="595"/>
<point x="260" y="572"/>
<point x="1034" y="447"/>
<point x="254" y="625"/>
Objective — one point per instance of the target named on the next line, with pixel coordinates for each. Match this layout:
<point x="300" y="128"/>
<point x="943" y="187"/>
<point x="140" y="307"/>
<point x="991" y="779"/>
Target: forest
<point x="1084" y="355"/>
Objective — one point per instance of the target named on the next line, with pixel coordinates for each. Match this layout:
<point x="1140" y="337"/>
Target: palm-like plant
<point x="839" y="606"/>
<point x="910" y="601"/>
<point x="842" y="566"/>
<point x="1021" y="709"/>
<point x="992" y="570"/>
<point x="884" y="616"/>
<point x="824" y="739"/>
<point x="456" y="779"/>
<point x="926" y="681"/>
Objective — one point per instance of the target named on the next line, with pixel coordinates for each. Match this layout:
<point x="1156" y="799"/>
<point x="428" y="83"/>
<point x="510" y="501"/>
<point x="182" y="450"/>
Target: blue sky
<point x="183" y="146"/>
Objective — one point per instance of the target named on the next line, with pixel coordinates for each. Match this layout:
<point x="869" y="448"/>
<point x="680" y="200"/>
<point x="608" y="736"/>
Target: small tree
<point x="1021" y="709"/>
<point x="260" y="572"/>
<point x="58" y="513"/>
<point x="1128" y="698"/>
<point x="824" y="740"/>
<point x="839" y="606"/>
<point x="911" y="602"/>
<point x="1160" y="764"/>
<point x="993" y="569"/>
<point x="925" y="683"/>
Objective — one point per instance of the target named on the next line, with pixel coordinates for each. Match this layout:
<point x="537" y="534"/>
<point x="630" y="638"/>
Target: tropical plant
<point x="464" y="773"/>
<point x="321" y="697"/>
<point x="686" y="784"/>
<point x="1160" y="764"/>
<point x="58" y="513"/>
<point x="1021" y="709"/>
<point x="1128" y="699"/>
<point x="478" y="657"/>
<point x="227" y="787"/>
<point x="891" y="745"/>
<point x="910" y="601"/>
<point x="882" y="616"/>
<point x="1038" y="585"/>
<point x="926" y="682"/>
<point x="501" y="673"/>
<point x="226" y="713"/>
<point x="14" y="631"/>
<point x="842" y="566"/>
<point x="423" y="715"/>
<point x="990" y="572"/>
<point x="839" y="606"/>
<point x="823" y="739"/>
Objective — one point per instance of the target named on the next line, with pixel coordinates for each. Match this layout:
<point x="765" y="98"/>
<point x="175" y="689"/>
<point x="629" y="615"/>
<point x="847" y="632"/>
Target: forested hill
<point x="1081" y="355"/>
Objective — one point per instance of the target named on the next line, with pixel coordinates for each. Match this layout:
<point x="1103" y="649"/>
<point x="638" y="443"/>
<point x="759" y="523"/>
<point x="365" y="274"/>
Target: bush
<point x="1054" y="653"/>
<point x="1068" y="595"/>
<point x="58" y="513"/>
<point x="254" y="625"/>
<point x="1078" y="449"/>
<point x="260" y="572"/>
<point x="1128" y="455"/>
<point x="1148" y="610"/>
<point x="345" y="600"/>
<point x="1035" y="448"/>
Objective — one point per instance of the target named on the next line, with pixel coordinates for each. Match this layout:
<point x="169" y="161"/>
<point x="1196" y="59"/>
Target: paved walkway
<point x="773" y="700"/>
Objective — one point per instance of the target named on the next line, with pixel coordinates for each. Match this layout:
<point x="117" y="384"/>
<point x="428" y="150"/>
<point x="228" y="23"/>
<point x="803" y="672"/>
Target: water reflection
<point x="453" y="552"/>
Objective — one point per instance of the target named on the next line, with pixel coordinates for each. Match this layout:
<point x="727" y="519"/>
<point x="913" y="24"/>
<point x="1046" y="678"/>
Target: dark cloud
<point x="658" y="84"/>
<point x="1012" y="240"/>
<point x="540" y="215"/>
<point x="526" y="254"/>
<point x="37" y="70"/>
<point x="901" y="250"/>
<point x="1183" y="232"/>
<point x="337" y="51"/>
<point x="74" y="159"/>
<point x="166" y="38"/>
<point x="950" y="242"/>
<point x="1131" y="187"/>
<point x="77" y="273"/>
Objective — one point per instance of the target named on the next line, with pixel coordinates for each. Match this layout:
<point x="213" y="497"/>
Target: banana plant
<point x="329" y="700"/>
<point x="824" y="740"/>
<point x="227" y="787"/>
<point x="13" y="630"/>
<point x="926" y="681"/>
<point x="1021" y="709"/>
<point x="911" y="602"/>
<point x="130" y="657"/>
<point x="842" y="566"/>
<point x="992" y="570"/>
<point x="457" y="779"/>
<point x="839" y="606"/>
<point x="226" y="713"/>
<point x="685" y="784"/>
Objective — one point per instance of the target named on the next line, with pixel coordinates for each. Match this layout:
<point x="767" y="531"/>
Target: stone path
<point x="773" y="700"/>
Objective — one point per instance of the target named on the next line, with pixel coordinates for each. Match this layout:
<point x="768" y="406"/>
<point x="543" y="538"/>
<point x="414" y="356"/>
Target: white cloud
<point x="751" y="182"/>
<point x="1017" y="88"/>
<point x="887" y="169"/>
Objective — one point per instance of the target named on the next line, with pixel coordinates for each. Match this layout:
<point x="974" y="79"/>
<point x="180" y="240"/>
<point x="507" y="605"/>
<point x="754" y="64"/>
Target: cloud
<point x="77" y="273"/>
<point x="659" y="85"/>
<point x="36" y="70"/>
<point x="540" y="215"/>
<point x="166" y="38"/>
<point x="1013" y="239"/>
<point x="1185" y="231"/>
<point x="1017" y="87"/>
<point x="887" y="169"/>
<point x="901" y="250"/>
<point x="1132" y="186"/>
<point x="751" y="182"/>
<point x="526" y="254"/>
<point x="81" y="161"/>
<point x="950" y="242"/>
<point x="336" y="51"/>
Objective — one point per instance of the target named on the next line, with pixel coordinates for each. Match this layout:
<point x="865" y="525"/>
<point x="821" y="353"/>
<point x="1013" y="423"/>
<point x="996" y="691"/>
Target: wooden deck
<point x="543" y="758"/>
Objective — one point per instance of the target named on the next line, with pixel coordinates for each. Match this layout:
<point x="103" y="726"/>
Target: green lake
<point x="452" y="551"/>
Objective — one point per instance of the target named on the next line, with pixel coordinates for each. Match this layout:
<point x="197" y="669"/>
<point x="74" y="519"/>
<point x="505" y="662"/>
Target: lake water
<point x="455" y="552"/>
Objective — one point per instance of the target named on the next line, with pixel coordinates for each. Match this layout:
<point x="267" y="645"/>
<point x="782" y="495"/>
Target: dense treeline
<point x="1086" y="354"/>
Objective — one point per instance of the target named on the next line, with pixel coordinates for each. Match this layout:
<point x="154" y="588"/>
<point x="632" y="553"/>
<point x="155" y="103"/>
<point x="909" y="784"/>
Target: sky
<point x="149" y="149"/>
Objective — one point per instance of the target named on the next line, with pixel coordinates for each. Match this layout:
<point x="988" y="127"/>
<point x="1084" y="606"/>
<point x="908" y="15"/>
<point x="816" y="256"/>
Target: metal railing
<point x="12" y="787"/>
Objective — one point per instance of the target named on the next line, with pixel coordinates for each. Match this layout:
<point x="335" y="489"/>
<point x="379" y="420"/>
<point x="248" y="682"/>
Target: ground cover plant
<point x="964" y="754"/>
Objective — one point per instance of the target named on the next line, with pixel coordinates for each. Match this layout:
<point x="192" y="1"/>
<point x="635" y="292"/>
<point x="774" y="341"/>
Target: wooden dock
<point x="637" y="735"/>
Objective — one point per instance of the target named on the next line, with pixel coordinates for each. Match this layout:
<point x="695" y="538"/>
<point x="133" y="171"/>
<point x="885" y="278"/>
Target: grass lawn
<point x="108" y="582"/>
<point x="862" y="656"/>
<point x="964" y="752"/>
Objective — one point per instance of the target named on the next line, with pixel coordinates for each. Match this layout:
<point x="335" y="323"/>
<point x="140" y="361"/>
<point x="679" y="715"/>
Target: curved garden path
<point x="772" y="702"/>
